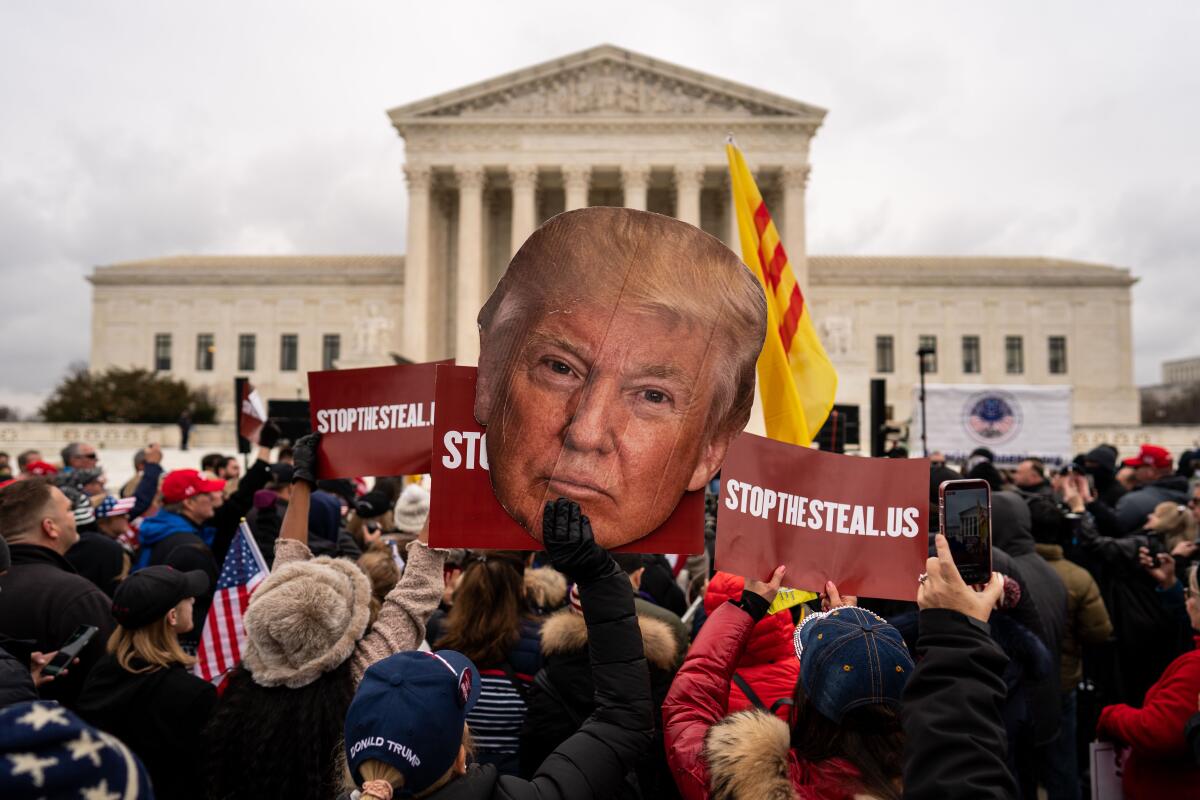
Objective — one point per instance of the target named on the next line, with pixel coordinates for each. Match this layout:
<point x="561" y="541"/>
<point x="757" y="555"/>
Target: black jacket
<point x="160" y="715"/>
<point x="100" y="559"/>
<point x="562" y="697"/>
<point x="1149" y="636"/>
<point x="16" y="684"/>
<point x="951" y="712"/>
<point x="43" y="599"/>
<point x="594" y="761"/>
<point x="1012" y="532"/>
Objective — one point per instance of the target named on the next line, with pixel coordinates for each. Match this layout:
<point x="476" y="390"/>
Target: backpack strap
<point x="751" y="695"/>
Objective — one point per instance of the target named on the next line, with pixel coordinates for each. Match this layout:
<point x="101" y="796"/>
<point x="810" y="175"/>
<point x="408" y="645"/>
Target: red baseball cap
<point x="1151" y="455"/>
<point x="41" y="469"/>
<point x="184" y="483"/>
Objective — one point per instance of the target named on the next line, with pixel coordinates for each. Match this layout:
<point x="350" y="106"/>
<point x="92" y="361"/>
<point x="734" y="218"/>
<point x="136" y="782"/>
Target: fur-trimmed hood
<point x="566" y="632"/>
<point x="546" y="588"/>
<point x="749" y="756"/>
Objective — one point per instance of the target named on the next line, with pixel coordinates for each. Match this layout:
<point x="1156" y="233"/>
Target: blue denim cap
<point x="409" y="712"/>
<point x="849" y="658"/>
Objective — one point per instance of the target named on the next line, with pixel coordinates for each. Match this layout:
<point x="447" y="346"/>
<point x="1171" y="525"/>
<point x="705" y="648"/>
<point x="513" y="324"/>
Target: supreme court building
<point x="487" y="163"/>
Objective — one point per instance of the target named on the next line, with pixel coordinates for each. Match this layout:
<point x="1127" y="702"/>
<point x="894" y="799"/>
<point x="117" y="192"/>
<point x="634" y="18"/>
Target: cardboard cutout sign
<point x="373" y="421"/>
<point x="616" y="364"/>
<point x="859" y="522"/>
<point x="463" y="511"/>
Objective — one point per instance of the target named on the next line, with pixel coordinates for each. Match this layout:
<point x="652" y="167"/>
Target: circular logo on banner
<point x="992" y="417"/>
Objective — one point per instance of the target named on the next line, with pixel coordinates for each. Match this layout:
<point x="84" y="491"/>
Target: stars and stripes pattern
<point x="221" y="643"/>
<point x="796" y="380"/>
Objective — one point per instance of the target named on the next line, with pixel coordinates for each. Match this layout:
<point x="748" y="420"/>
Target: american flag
<point x="221" y="643"/>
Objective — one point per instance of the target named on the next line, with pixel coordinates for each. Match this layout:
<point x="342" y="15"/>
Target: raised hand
<point x="943" y="587"/>
<point x="767" y="591"/>
<point x="567" y="535"/>
<point x="304" y="459"/>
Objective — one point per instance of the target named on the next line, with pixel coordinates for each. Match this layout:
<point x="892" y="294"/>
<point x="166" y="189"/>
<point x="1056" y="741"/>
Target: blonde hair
<point x="611" y="256"/>
<point x="156" y="644"/>
<point x="374" y="770"/>
<point x="1176" y="524"/>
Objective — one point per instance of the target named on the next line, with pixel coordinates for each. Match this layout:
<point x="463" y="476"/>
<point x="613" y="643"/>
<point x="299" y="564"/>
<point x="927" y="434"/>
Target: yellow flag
<point x="796" y="380"/>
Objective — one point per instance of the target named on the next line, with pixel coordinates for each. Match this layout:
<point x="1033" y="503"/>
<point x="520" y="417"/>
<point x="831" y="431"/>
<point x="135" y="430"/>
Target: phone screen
<point x="965" y="508"/>
<point x="71" y="648"/>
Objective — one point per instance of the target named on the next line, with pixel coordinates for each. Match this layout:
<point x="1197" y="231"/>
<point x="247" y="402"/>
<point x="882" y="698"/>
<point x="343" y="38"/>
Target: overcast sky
<point x="134" y="130"/>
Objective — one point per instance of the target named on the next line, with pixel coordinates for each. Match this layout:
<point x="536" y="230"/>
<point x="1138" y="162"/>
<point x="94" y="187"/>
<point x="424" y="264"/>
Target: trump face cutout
<point x="617" y="360"/>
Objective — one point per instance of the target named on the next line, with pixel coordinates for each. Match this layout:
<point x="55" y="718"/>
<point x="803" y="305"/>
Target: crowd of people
<point x="375" y="666"/>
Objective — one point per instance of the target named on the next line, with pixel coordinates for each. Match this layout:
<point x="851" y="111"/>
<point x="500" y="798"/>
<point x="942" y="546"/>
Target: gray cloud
<point x="135" y="131"/>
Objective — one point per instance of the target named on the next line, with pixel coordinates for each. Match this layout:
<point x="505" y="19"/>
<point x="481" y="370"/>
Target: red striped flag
<point x="224" y="635"/>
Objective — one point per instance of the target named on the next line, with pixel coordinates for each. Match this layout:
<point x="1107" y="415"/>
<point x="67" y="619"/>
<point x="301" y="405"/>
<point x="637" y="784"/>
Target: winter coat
<point x="162" y="533"/>
<point x="648" y="608"/>
<point x="1087" y="618"/>
<point x="1012" y="532"/>
<point x="593" y="763"/>
<point x="768" y="664"/>
<point x="16" y="684"/>
<point x="159" y="714"/>
<point x="1134" y="506"/>
<point x="1160" y="763"/>
<point x="400" y="624"/>
<point x="950" y="712"/>
<point x="265" y="520"/>
<point x="496" y="720"/>
<point x="43" y="599"/>
<point x="1149" y="636"/>
<point x="747" y="754"/>
<point x="100" y="559"/>
<point x="658" y="582"/>
<point x="562" y="696"/>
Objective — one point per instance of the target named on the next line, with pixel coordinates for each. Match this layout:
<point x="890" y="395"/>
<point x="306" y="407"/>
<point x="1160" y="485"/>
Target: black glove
<point x="567" y="535"/>
<point x="304" y="459"/>
<point x="269" y="435"/>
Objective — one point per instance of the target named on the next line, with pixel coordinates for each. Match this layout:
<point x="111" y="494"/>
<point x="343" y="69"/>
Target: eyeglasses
<point x="91" y="456"/>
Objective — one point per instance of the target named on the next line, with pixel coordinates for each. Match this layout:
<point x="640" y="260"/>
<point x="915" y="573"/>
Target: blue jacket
<point x="162" y="526"/>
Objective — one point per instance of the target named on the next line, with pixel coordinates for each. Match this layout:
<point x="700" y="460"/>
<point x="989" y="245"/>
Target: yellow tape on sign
<point x="788" y="598"/>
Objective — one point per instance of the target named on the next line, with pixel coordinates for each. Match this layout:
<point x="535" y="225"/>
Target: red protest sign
<point x="464" y="511"/>
<point x="859" y="522"/>
<point x="373" y="421"/>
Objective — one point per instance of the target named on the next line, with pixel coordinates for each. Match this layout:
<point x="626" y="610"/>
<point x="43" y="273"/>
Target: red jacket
<point x="1159" y="764"/>
<point x="769" y="664"/>
<point x="747" y="754"/>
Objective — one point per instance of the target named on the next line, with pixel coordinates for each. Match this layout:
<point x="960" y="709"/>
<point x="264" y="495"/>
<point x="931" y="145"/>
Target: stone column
<point x="417" y="297"/>
<point x="575" y="182"/>
<point x="469" y="292"/>
<point x="688" y="182"/>
<point x="524" y="203"/>
<point x="733" y="239"/>
<point x="795" y="179"/>
<point x="636" y="182"/>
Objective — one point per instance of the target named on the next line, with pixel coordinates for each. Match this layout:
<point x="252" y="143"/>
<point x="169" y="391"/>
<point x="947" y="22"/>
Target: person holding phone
<point x="1160" y="763"/>
<point x="42" y="597"/>
<point x="143" y="690"/>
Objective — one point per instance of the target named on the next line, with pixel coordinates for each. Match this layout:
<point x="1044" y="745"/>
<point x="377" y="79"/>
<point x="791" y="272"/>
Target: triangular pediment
<point x="605" y="81"/>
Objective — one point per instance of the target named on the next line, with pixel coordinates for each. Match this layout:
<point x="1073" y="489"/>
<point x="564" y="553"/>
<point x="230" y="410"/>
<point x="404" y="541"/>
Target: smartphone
<point x="71" y="648"/>
<point x="965" y="515"/>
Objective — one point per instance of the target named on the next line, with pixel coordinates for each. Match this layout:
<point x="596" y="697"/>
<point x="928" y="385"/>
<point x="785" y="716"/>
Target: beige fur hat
<point x="304" y="620"/>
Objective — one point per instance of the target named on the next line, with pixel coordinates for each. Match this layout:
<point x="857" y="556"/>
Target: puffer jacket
<point x="593" y="763"/>
<point x="563" y="696"/>
<point x="1134" y="506"/>
<point x="1160" y="763"/>
<point x="1087" y="618"/>
<point x="768" y="664"/>
<point x="747" y="754"/>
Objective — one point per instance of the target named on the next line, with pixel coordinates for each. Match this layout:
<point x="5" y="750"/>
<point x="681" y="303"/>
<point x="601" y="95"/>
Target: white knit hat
<point x="304" y="621"/>
<point x="412" y="509"/>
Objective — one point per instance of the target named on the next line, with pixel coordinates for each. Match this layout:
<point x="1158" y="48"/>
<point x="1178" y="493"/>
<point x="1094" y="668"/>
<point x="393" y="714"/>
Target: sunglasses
<point x="91" y="456"/>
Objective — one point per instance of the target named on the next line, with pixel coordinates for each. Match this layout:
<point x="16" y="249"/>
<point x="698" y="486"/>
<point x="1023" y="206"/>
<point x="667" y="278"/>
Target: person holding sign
<point x="616" y="365"/>
<point x="845" y="736"/>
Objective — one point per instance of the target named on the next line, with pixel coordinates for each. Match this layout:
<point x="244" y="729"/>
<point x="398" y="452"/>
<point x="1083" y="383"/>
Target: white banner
<point x="1014" y="422"/>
